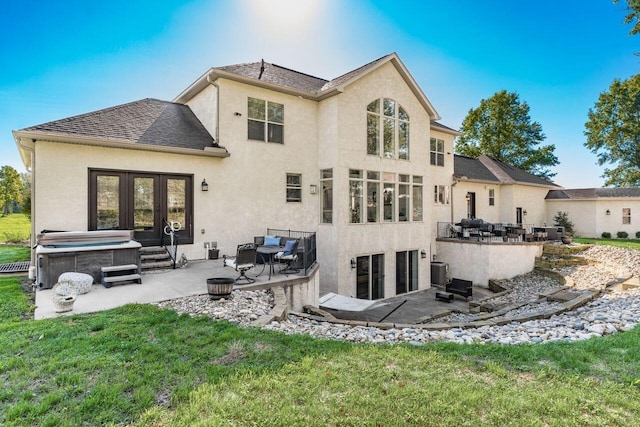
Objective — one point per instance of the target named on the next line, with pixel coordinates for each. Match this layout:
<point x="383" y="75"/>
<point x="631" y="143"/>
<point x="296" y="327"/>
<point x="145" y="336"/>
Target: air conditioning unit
<point x="439" y="272"/>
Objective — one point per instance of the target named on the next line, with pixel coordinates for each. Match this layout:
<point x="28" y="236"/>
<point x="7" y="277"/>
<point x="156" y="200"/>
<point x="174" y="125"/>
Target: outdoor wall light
<point x="524" y="212"/>
<point x="353" y="263"/>
<point x="423" y="254"/>
<point x="608" y="212"/>
<point x="204" y="185"/>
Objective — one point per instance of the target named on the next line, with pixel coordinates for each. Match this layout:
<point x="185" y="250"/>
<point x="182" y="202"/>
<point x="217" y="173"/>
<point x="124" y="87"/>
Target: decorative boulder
<point x="78" y="282"/>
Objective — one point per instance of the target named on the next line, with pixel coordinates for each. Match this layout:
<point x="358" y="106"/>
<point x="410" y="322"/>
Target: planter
<point x="220" y="287"/>
<point x="567" y="240"/>
<point x="63" y="302"/>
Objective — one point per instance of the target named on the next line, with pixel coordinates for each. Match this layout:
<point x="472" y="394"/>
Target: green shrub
<point x="637" y="234"/>
<point x="15" y="237"/>
<point x="562" y="220"/>
<point x="607" y="235"/>
<point x="622" y="234"/>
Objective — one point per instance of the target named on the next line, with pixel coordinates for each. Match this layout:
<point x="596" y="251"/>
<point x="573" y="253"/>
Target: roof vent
<point x="261" y="69"/>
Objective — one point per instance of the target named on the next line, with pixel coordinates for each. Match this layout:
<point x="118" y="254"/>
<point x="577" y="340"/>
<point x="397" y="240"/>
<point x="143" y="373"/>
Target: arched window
<point x="387" y="129"/>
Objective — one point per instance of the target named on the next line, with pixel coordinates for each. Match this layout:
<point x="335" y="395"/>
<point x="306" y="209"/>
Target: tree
<point x="10" y="187"/>
<point x="25" y="205"/>
<point x="501" y="128"/>
<point x="613" y="132"/>
<point x="633" y="6"/>
<point x="562" y="220"/>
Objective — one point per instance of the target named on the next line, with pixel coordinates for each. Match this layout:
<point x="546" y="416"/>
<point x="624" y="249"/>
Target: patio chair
<point x="244" y="260"/>
<point x="288" y="256"/>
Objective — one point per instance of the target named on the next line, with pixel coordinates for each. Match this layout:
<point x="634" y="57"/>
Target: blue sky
<point x="62" y="58"/>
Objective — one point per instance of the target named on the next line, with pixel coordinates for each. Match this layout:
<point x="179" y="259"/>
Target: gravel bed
<point x="611" y="313"/>
<point x="243" y="307"/>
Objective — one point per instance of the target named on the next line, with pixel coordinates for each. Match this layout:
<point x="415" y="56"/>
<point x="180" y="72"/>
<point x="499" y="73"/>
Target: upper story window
<point x="492" y="197"/>
<point x="437" y="152"/>
<point x="294" y="187"/>
<point x="626" y="215"/>
<point x="387" y="129"/>
<point x="266" y="121"/>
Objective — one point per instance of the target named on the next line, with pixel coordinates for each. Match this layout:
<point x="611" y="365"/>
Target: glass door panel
<point x="143" y="204"/>
<point x="377" y="276"/>
<point x="362" y="277"/>
<point x="176" y="201"/>
<point x="108" y="202"/>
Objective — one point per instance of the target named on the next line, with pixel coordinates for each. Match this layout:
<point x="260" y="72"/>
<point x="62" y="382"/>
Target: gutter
<point x="214" y="84"/>
<point x="126" y="145"/>
<point x="32" y="169"/>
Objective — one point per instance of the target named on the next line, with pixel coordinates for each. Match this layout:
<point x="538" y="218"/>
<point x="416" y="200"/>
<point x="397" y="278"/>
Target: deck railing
<point x="487" y="232"/>
<point x="307" y="245"/>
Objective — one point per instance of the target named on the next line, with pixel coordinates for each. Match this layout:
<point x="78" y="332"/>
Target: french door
<point x="141" y="201"/>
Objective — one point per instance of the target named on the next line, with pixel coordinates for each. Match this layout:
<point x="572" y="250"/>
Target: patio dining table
<point x="270" y="251"/>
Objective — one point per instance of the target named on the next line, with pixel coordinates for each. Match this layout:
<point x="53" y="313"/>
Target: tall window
<point x="266" y="121"/>
<point x="373" y="194"/>
<point x="370" y="277"/>
<point x="492" y="197"/>
<point x="417" y="198"/>
<point x="355" y="195"/>
<point x="387" y="125"/>
<point x="437" y="152"/>
<point x="626" y="215"/>
<point x="389" y="197"/>
<point x="294" y="187"/>
<point x="406" y="271"/>
<point x="404" y="198"/>
<point x="441" y="194"/>
<point x="326" y="182"/>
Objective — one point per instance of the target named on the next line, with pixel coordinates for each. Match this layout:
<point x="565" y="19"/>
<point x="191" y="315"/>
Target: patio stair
<point x="153" y="258"/>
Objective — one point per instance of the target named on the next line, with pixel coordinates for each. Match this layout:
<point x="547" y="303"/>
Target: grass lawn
<point x="142" y="365"/>
<point x="9" y="253"/>
<point x="620" y="243"/>
<point x="14" y="228"/>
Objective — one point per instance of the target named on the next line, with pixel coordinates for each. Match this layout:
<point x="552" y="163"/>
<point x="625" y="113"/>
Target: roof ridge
<point x="356" y="71"/>
<point x="493" y="166"/>
<point x="296" y="71"/>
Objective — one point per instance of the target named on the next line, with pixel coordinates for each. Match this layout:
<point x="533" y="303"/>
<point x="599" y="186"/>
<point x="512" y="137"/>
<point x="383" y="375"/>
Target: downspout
<point x="214" y="84"/>
<point x="32" y="170"/>
<point x="453" y="184"/>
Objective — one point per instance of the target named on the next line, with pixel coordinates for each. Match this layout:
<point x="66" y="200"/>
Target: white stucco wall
<point x="590" y="218"/>
<point x="378" y="238"/>
<point x="481" y="262"/>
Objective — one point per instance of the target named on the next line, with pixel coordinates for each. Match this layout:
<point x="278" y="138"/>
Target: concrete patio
<point x="155" y="287"/>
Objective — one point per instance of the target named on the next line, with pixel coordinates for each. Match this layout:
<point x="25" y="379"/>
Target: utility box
<point x="439" y="272"/>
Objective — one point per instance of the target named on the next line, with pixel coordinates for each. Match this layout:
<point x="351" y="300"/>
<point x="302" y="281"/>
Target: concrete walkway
<point x="155" y="287"/>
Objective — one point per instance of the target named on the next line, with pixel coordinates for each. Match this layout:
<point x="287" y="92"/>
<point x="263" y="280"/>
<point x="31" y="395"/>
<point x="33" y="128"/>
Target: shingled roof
<point x="276" y="77"/>
<point x="281" y="76"/>
<point x="147" y="121"/>
<point x="488" y="169"/>
<point x="593" y="193"/>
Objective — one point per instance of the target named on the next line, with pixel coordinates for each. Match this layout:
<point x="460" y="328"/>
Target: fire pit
<point x="220" y="287"/>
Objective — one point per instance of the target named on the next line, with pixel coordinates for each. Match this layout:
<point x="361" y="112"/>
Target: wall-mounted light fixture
<point x="524" y="212"/>
<point x="467" y="197"/>
<point x="237" y="114"/>
<point x="608" y="212"/>
<point x="313" y="189"/>
<point x="423" y="254"/>
<point x="204" y="185"/>
<point x="353" y="263"/>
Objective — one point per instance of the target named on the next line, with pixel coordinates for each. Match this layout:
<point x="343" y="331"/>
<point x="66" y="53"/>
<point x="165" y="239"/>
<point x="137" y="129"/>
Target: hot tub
<point x="82" y="252"/>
